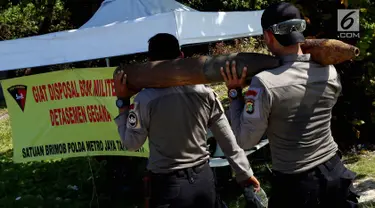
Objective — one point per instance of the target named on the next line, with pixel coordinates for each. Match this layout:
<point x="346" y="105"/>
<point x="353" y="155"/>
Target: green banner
<point x="63" y="114"/>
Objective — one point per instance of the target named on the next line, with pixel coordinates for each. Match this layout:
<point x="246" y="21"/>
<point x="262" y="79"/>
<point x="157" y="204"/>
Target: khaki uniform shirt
<point x="176" y="120"/>
<point x="292" y="105"/>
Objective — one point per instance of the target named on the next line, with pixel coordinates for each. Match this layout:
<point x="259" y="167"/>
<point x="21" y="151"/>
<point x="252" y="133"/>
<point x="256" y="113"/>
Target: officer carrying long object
<point x="175" y="122"/>
<point x="292" y="104"/>
<point x="204" y="69"/>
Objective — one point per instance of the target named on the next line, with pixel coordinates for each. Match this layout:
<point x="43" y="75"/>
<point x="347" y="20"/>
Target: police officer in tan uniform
<point x="175" y="121"/>
<point x="292" y="105"/>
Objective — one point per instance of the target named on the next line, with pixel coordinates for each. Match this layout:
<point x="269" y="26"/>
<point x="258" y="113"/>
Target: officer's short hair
<point x="163" y="46"/>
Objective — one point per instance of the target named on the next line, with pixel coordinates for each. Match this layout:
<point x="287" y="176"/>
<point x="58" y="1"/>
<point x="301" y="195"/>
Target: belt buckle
<point x="199" y="168"/>
<point x="190" y="175"/>
<point x="180" y="173"/>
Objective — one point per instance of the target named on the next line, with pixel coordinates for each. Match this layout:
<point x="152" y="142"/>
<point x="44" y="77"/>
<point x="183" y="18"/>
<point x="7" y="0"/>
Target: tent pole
<point x="107" y="61"/>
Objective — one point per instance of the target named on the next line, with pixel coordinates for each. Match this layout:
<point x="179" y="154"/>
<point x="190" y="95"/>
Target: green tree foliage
<point x="33" y="18"/>
<point x="227" y="5"/>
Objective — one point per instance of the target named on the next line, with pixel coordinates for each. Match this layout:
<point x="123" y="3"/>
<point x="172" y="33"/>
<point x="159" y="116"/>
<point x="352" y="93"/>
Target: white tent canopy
<point x="122" y="27"/>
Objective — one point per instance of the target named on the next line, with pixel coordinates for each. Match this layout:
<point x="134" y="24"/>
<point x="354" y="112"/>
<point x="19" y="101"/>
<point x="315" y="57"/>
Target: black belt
<point x="329" y="165"/>
<point x="181" y="172"/>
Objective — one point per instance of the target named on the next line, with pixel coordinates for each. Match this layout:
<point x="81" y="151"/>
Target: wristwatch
<point x="122" y="102"/>
<point x="234" y="93"/>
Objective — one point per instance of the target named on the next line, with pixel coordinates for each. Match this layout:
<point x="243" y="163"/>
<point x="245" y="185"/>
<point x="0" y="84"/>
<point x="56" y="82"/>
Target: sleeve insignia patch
<point x="132" y="120"/>
<point x="133" y="117"/>
<point x="253" y="93"/>
<point x="131" y="107"/>
<point x="250" y="106"/>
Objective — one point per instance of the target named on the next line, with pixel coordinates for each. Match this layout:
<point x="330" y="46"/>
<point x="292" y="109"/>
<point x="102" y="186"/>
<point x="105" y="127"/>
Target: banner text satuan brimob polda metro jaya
<point x="74" y="147"/>
<point x="75" y="90"/>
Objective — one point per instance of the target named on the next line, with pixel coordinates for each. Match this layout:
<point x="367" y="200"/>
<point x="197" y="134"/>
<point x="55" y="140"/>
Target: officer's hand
<point x="121" y="86"/>
<point x="252" y="181"/>
<point x="230" y="76"/>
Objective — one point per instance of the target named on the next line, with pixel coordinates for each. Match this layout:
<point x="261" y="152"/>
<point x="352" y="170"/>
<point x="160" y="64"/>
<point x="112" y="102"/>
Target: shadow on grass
<point x="231" y="192"/>
<point x="361" y="176"/>
<point x="365" y="186"/>
<point x="73" y="182"/>
<point x="2" y="104"/>
<point x="351" y="159"/>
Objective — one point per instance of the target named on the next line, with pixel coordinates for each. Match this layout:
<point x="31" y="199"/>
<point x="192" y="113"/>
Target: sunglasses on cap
<point x="286" y="27"/>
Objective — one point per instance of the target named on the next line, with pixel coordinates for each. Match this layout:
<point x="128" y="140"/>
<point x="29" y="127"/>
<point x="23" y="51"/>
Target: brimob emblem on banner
<point x="19" y="92"/>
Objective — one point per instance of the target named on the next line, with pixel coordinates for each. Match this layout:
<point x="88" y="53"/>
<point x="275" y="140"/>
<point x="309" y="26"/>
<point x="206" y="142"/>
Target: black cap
<point x="281" y="12"/>
<point x="163" y="46"/>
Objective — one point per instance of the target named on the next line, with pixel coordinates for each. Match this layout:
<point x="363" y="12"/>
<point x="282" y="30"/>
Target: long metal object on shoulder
<point x="206" y="69"/>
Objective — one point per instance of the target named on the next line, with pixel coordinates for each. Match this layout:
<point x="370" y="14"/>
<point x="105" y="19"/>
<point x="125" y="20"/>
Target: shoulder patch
<point x="249" y="106"/>
<point x="252" y="108"/>
<point x="133" y="117"/>
<point x="131" y="107"/>
<point x="253" y="93"/>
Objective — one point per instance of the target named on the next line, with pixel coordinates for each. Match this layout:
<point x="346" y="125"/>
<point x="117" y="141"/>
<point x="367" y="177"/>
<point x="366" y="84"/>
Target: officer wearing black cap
<point x="292" y="105"/>
<point x="175" y="122"/>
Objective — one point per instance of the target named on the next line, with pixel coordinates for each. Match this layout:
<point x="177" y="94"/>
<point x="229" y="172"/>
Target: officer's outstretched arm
<point x="132" y="125"/>
<point x="220" y="128"/>
<point x="250" y="120"/>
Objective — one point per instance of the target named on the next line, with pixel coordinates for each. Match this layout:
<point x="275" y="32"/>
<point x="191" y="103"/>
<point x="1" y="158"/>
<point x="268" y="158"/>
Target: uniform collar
<point x="295" y="57"/>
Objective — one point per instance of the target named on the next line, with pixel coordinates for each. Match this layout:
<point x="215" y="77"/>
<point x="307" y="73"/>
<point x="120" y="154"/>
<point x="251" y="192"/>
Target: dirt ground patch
<point x="3" y="110"/>
<point x="366" y="189"/>
<point x="3" y="115"/>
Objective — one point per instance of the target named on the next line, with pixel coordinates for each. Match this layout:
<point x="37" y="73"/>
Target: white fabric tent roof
<point x="103" y="36"/>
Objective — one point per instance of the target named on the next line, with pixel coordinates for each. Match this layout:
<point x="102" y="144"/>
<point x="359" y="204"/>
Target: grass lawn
<point x="59" y="183"/>
<point x="76" y="182"/>
<point x="81" y="182"/>
<point x="363" y="164"/>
